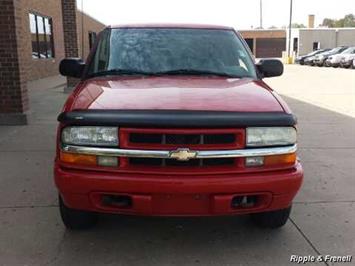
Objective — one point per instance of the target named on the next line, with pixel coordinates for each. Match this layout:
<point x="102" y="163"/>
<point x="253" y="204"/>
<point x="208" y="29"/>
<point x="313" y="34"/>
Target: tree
<point x="298" y="25"/>
<point x="347" y="21"/>
<point x="328" y="22"/>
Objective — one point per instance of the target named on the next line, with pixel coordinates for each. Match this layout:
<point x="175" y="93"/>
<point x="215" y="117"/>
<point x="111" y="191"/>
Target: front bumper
<point x="333" y="63"/>
<point x="344" y="63"/>
<point x="174" y="195"/>
<point x="319" y="62"/>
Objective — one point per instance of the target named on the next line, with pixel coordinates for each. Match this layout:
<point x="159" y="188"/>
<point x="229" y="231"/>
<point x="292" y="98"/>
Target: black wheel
<point x="75" y="219"/>
<point x="272" y="219"/>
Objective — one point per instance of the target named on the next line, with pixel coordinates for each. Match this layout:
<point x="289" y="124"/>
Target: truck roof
<point x="171" y="25"/>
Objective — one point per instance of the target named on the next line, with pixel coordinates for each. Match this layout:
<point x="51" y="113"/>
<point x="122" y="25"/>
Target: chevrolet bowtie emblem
<point x="183" y="154"/>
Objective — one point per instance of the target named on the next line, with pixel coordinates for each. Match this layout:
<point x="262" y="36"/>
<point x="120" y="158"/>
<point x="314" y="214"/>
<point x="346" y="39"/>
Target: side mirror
<point x="270" y="67"/>
<point x="72" y="67"/>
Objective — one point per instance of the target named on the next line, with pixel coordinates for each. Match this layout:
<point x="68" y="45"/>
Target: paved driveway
<point x="322" y="221"/>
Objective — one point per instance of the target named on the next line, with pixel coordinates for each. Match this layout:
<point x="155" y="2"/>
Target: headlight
<point x="271" y="136"/>
<point x="92" y="136"/>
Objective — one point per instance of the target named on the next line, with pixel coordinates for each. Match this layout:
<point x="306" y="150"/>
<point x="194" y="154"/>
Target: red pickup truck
<point x="175" y="120"/>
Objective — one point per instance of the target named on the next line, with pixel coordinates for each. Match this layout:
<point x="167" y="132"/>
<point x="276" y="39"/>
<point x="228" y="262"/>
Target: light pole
<point x="261" y="14"/>
<point x="289" y="30"/>
<point x="82" y="29"/>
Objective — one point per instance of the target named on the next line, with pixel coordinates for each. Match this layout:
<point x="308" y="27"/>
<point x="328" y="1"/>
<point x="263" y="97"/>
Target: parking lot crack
<point x="307" y="239"/>
<point x="29" y="206"/>
<point x="324" y="201"/>
<point x="326" y="148"/>
<point x="58" y="252"/>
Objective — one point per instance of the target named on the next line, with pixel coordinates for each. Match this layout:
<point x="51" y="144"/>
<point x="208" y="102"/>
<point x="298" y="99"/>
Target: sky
<point x="239" y="14"/>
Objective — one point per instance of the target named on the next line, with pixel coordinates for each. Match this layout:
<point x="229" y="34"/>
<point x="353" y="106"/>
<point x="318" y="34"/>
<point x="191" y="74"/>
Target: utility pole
<point x="261" y="14"/>
<point x="289" y="30"/>
<point x="82" y="29"/>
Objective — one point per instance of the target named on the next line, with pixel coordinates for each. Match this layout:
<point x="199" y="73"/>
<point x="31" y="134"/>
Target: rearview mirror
<point x="72" y="67"/>
<point x="270" y="67"/>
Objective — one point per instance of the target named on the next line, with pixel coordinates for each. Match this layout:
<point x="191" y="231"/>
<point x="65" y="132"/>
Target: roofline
<point x="91" y="17"/>
<point x="326" y="29"/>
<point x="265" y="30"/>
<point x="171" y="25"/>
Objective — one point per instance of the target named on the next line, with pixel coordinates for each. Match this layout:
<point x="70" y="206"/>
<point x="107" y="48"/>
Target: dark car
<point x="309" y="60"/>
<point x="301" y="59"/>
<point x="320" y="59"/>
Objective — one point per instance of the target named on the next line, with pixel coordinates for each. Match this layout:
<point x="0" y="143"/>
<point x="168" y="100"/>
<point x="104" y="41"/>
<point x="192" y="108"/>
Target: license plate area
<point x="181" y="204"/>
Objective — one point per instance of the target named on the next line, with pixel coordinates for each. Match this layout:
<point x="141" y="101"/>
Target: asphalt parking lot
<point x="322" y="221"/>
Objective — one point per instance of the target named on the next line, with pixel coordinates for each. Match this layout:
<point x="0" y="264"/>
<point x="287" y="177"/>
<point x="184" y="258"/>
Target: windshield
<point x="350" y="50"/>
<point x="337" y="50"/>
<point x="170" y="51"/>
<point x="315" y="52"/>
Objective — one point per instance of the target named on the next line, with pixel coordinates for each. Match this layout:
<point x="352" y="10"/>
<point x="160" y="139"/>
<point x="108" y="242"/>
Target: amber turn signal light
<point x="283" y="159"/>
<point x="78" y="158"/>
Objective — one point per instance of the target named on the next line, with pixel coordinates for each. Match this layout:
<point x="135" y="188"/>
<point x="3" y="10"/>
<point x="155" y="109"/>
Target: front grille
<point x="179" y="138"/>
<point x="190" y="163"/>
<point x="182" y="139"/>
<point x="219" y="139"/>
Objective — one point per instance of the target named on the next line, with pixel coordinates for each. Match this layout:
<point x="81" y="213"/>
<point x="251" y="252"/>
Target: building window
<point x="41" y="36"/>
<point x="295" y="45"/>
<point x="250" y="43"/>
<point x="316" y="46"/>
<point x="92" y="39"/>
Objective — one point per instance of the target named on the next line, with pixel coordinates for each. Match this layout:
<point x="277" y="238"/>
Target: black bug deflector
<point x="176" y="118"/>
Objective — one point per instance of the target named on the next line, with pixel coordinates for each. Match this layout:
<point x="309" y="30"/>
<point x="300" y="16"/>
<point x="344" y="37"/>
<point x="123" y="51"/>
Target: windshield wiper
<point x="195" y="72"/>
<point x="132" y="72"/>
<point x="135" y="72"/>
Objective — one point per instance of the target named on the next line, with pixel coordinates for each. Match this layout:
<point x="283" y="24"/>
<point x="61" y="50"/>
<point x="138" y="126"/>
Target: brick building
<point x="265" y="43"/>
<point x="35" y="36"/>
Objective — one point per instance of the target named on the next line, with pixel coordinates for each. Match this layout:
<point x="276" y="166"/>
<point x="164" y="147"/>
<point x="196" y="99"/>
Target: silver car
<point x="336" y="59"/>
<point x="347" y="60"/>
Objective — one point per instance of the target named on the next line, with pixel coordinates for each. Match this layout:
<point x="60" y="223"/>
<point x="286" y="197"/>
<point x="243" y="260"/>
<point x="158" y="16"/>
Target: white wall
<point x="328" y="38"/>
<point x="294" y="34"/>
<point x="346" y="37"/>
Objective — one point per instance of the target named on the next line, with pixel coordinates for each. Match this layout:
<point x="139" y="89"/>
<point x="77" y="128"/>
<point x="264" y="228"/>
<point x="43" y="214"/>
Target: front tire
<point x="76" y="219"/>
<point x="272" y="219"/>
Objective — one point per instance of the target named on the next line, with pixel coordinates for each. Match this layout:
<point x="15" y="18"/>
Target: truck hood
<point x="174" y="93"/>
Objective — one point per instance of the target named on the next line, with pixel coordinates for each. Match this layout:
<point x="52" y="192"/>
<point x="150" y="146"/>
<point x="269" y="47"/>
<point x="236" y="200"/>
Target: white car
<point x="335" y="60"/>
<point x="347" y="60"/>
